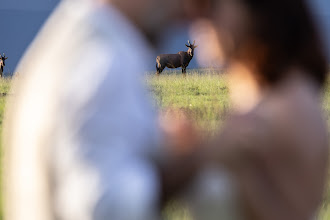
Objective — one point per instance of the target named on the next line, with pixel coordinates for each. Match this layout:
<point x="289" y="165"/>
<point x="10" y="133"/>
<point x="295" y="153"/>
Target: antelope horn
<point x="189" y="42"/>
<point x="194" y="43"/>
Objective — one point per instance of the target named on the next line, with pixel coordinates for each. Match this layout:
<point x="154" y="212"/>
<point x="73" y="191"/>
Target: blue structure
<point x="21" y="20"/>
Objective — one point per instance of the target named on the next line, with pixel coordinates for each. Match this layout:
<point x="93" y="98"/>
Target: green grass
<point x="4" y="93"/>
<point x="203" y="96"/>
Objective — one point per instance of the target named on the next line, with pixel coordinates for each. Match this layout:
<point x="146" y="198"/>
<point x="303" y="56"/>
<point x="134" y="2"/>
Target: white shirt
<point x="80" y="130"/>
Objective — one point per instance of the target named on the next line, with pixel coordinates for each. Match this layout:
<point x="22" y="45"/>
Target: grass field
<point x="203" y="96"/>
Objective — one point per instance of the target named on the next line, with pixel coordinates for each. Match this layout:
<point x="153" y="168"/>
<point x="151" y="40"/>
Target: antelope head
<point x="191" y="48"/>
<point x="3" y="58"/>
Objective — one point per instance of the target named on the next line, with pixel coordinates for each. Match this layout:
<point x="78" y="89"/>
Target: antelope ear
<point x="196" y="46"/>
<point x="186" y="45"/>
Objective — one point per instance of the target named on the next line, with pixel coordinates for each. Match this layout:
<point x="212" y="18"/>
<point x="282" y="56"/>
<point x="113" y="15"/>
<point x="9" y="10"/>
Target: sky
<point x="322" y="6"/>
<point x="23" y="18"/>
<point x="32" y="5"/>
<point x="322" y="12"/>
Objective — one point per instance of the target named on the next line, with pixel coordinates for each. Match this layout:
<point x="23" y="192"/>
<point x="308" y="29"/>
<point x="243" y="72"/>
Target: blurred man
<point x="80" y="131"/>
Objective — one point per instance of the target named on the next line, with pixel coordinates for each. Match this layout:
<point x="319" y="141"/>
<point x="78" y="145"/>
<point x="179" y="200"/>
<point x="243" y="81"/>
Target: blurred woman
<point x="275" y="144"/>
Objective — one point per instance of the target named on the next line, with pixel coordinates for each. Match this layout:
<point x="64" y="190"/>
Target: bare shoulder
<point x="294" y="113"/>
<point x="279" y="126"/>
<point x="242" y="138"/>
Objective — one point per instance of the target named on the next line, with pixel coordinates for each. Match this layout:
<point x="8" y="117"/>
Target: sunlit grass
<point x="4" y="93"/>
<point x="203" y="97"/>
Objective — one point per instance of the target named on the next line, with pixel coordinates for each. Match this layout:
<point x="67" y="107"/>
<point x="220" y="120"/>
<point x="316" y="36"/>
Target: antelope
<point x="181" y="59"/>
<point x="2" y="63"/>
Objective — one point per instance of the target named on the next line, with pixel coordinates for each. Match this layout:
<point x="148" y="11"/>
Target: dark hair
<point x="287" y="33"/>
